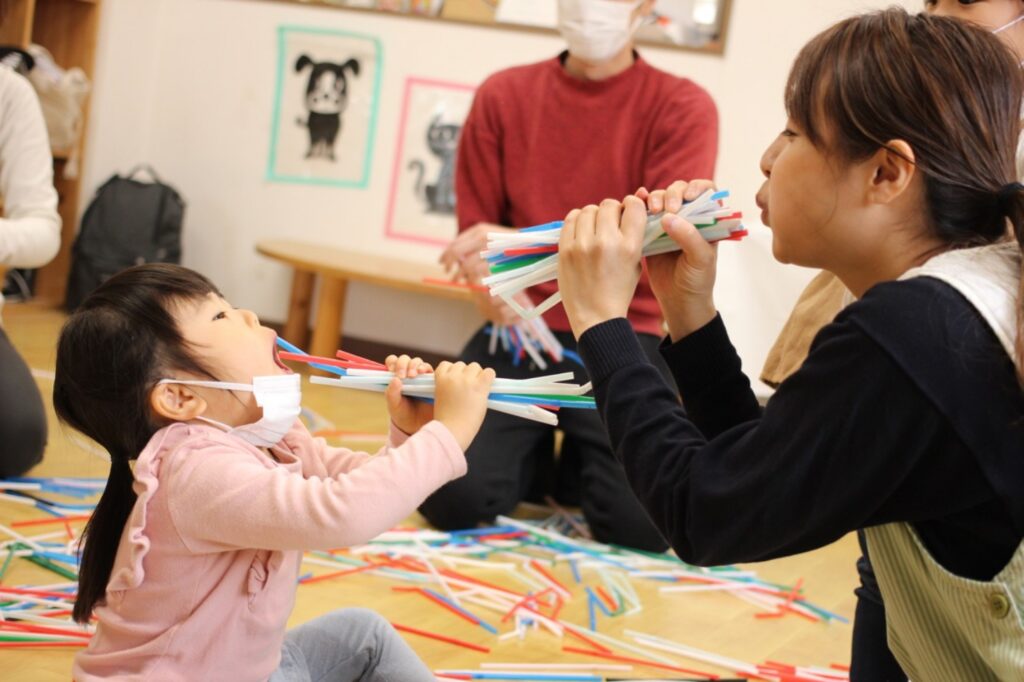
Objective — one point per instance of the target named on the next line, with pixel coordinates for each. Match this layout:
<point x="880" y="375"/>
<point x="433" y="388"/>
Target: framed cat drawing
<point x="421" y="206"/>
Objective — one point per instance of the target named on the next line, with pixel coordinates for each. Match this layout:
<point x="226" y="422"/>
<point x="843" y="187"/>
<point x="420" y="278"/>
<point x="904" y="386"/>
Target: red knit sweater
<point x="538" y="143"/>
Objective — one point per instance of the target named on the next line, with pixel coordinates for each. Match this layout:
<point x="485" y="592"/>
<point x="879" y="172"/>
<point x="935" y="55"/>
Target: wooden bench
<point x="336" y="268"/>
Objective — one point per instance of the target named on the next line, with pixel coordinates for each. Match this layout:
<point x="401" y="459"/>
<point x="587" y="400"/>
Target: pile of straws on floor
<point x="438" y="568"/>
<point x="520" y="260"/>
<point x="602" y="575"/>
<point x="536" y="399"/>
<point x="33" y="616"/>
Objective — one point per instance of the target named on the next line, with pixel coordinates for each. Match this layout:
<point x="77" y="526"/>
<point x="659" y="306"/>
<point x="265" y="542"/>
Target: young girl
<point x="895" y="172"/>
<point x="191" y="559"/>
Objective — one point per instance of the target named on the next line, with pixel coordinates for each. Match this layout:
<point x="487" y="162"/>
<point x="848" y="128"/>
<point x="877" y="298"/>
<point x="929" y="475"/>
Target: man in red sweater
<point x="596" y="121"/>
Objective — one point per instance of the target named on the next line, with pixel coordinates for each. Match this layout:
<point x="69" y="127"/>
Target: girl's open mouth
<point x="277" y="360"/>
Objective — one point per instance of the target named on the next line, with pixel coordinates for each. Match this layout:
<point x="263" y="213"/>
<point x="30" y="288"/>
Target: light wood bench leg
<point x="329" y="313"/>
<point x="296" y="329"/>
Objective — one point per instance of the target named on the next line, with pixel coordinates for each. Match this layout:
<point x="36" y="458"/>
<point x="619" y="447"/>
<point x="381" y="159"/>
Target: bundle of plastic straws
<point x="536" y="399"/>
<point x="529" y="257"/>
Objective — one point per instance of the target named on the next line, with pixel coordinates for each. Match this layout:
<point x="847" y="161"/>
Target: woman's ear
<point x="176" y="402"/>
<point x="893" y="172"/>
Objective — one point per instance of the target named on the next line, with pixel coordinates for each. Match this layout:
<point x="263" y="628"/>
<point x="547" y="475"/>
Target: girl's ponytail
<point x="112" y="351"/>
<point x="104" y="534"/>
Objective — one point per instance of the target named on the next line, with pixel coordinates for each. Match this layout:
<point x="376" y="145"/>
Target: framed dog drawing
<point x="421" y="205"/>
<point x="325" y="107"/>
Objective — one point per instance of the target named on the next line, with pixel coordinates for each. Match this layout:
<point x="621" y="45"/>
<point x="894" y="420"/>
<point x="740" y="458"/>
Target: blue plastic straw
<point x="493" y="530"/>
<point x="594" y="600"/>
<point x="455" y="607"/>
<point x="546" y="677"/>
<point x="556" y="225"/>
<point x="292" y="348"/>
<point x="590" y="611"/>
<point x="575" y="571"/>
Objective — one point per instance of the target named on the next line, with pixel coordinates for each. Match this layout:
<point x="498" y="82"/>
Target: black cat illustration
<point x="326" y="98"/>
<point x="443" y="140"/>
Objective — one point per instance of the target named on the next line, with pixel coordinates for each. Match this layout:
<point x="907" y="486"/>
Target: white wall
<point x="188" y="85"/>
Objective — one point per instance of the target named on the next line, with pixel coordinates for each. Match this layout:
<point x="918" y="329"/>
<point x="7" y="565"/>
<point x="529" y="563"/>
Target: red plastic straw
<point x="47" y="521"/>
<point x="540" y="569"/>
<point x="37" y="593"/>
<point x="586" y="640"/>
<point x="639" y="661"/>
<point x="522" y="603"/>
<point x="531" y="250"/>
<point x="612" y="604"/>
<point x="441" y="638"/>
<point x="448" y="607"/>
<point x="41" y="629"/>
<point x="313" y="359"/>
<point x="347" y="571"/>
<point x="352" y="357"/>
<point x="437" y="281"/>
<point x="558" y="607"/>
<point x="36" y="645"/>
<point x="504" y="536"/>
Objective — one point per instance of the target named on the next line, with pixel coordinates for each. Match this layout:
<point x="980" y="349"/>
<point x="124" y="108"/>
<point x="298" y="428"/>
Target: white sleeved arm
<point x="30" y="226"/>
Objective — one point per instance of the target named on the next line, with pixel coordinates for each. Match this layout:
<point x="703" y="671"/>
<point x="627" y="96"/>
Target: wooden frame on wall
<point x="482" y="13"/>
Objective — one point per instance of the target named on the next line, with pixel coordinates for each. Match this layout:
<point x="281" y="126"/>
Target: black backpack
<point x="127" y="223"/>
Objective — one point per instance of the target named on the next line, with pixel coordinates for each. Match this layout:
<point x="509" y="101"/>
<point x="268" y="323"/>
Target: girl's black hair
<point x="112" y="351"/>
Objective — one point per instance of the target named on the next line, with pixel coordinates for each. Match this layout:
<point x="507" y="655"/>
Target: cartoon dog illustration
<point x="326" y="99"/>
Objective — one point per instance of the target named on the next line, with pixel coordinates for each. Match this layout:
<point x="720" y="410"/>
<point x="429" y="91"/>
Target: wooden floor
<point x="712" y="621"/>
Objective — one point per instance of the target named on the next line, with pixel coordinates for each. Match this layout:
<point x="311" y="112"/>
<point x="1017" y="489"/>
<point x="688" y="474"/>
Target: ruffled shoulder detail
<point x="128" y="573"/>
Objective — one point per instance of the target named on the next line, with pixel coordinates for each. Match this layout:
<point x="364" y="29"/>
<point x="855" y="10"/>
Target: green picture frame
<point x="326" y="51"/>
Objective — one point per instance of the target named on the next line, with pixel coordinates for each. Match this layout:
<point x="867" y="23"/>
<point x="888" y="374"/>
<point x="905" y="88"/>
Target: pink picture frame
<point x="421" y="199"/>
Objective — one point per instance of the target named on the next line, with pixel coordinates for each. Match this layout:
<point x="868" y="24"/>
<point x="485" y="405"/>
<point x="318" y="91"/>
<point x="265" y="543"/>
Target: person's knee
<point x="644" y="537"/>
<point x="358" y="626"/>
<point x="458" y="505"/>
<point x="23" y="432"/>
<point x="361" y="619"/>
<point x="629" y="528"/>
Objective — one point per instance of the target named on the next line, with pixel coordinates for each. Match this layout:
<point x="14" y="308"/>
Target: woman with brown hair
<point x="895" y="172"/>
<point x="826" y="295"/>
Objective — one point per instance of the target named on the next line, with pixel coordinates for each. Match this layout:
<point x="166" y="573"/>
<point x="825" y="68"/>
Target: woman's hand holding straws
<point x="530" y="256"/>
<point x="682" y="282"/>
<point x="599" y="261"/>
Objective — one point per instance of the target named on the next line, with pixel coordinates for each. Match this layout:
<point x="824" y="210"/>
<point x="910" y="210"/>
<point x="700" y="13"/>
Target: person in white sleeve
<point x="29" y="238"/>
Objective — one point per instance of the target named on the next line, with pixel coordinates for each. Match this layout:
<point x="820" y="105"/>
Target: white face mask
<point x="597" y="30"/>
<point x="280" y="397"/>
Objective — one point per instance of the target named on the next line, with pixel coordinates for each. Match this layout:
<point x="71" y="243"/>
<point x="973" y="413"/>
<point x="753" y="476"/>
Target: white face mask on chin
<point x="279" y="396"/>
<point x="597" y="30"/>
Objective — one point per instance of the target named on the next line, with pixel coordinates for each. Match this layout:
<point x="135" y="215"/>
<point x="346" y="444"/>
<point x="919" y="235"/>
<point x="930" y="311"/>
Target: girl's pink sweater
<point x="206" y="572"/>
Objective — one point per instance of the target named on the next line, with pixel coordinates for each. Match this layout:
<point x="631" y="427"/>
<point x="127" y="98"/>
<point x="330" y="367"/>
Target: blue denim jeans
<point x="348" y="645"/>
